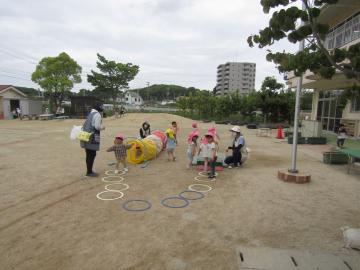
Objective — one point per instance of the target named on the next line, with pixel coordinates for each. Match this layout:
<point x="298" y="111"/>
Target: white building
<point x="344" y="21"/>
<point x="12" y="98"/>
<point x="133" y="99"/>
<point x="235" y="77"/>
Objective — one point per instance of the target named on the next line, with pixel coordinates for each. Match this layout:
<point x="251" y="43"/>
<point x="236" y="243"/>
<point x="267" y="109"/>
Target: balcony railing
<point x="344" y="33"/>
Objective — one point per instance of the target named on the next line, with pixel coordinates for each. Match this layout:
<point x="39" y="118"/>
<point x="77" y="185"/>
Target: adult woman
<point x="238" y="143"/>
<point x="93" y="126"/>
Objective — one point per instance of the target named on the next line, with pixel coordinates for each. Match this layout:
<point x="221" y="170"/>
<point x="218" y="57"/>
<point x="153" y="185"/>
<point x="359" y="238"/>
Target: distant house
<point x="12" y="98"/>
<point x="133" y="98"/>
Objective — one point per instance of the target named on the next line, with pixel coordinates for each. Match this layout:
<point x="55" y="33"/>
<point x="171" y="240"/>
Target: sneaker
<point x="229" y="167"/>
<point x="174" y="159"/>
<point x="116" y="171"/>
<point x="211" y="176"/>
<point x="93" y="174"/>
<point x="126" y="169"/>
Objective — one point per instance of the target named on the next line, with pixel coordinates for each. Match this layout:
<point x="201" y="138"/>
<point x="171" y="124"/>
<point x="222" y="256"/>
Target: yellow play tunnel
<point x="141" y="150"/>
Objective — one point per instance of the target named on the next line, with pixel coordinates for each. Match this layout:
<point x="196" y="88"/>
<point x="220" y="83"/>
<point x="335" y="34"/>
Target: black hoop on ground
<point x="201" y="195"/>
<point x="163" y="202"/>
<point x="125" y="206"/>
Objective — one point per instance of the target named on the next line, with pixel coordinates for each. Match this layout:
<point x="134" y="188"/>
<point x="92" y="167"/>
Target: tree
<point x="113" y="77"/>
<point x="315" y="57"/>
<point x="271" y="84"/>
<point x="57" y="75"/>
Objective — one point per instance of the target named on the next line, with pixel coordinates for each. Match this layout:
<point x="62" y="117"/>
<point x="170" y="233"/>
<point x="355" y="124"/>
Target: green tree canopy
<point x="160" y="92"/>
<point x="57" y="75"/>
<point x="271" y="84"/>
<point x="315" y="56"/>
<point x="113" y="77"/>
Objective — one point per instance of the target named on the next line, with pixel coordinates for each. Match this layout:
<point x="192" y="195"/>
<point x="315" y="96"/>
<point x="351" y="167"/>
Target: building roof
<point x="336" y="13"/>
<point x="4" y="88"/>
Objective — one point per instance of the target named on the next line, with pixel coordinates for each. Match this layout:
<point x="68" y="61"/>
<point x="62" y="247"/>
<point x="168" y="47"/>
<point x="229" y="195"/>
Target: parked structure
<point x="81" y="105"/>
<point x="12" y="98"/>
<point x="235" y="77"/>
<point x="344" y="21"/>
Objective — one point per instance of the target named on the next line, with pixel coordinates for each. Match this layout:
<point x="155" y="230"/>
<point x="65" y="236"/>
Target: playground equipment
<point x="145" y="149"/>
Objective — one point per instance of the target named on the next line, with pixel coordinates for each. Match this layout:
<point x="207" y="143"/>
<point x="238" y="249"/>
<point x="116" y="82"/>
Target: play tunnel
<point x="145" y="149"/>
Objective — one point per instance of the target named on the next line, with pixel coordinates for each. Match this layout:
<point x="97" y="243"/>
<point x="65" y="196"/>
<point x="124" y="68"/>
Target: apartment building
<point x="344" y="21"/>
<point x="235" y="77"/>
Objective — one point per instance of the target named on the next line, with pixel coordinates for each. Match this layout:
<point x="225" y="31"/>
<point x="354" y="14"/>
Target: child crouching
<point x="120" y="152"/>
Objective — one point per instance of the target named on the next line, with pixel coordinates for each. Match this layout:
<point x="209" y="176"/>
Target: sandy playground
<point x="50" y="217"/>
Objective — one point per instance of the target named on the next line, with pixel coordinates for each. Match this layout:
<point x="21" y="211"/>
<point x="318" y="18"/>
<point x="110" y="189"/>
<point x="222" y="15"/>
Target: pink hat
<point x="210" y="134"/>
<point x="119" y="136"/>
<point x="212" y="130"/>
<point x="192" y="134"/>
<point x="194" y="125"/>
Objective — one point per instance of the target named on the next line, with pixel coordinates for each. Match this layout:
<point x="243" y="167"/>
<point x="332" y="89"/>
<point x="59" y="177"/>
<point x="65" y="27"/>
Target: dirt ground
<point x="50" y="217"/>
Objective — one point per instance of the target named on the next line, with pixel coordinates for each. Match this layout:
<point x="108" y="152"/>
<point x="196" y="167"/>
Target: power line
<point x="15" y="77"/>
<point x="18" y="57"/>
<point x="24" y="54"/>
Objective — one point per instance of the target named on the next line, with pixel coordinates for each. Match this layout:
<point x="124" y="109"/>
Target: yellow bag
<point x="83" y="136"/>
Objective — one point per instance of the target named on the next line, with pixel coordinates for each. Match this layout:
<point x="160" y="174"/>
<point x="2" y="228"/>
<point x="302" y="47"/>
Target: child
<point x="213" y="153"/>
<point x="341" y="136"/>
<point x="192" y="146"/>
<point x="175" y="129"/>
<point x="170" y="144"/>
<point x="145" y="130"/>
<point x="204" y="150"/>
<point x="120" y="151"/>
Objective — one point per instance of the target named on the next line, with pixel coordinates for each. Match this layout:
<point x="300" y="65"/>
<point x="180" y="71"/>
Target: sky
<point x="173" y="41"/>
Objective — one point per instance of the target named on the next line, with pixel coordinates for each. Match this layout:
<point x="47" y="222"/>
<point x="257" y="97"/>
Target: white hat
<point x="235" y="129"/>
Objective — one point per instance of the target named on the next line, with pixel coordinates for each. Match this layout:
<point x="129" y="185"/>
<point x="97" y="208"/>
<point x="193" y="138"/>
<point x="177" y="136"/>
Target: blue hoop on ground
<point x="202" y="174"/>
<point x="191" y="187"/>
<point x="125" y="206"/>
<point x="201" y="195"/>
<point x="110" y="199"/>
<point x="112" y="172"/>
<point x="113" y="184"/>
<point x="113" y="181"/>
<point x="202" y="179"/>
<point x="163" y="202"/>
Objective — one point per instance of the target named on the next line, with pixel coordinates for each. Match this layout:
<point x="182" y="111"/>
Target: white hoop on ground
<point x="202" y="179"/>
<point x="113" y="184"/>
<point x="191" y="187"/>
<point x="110" y="199"/>
<point x="203" y="175"/>
<point x="112" y="172"/>
<point x="113" y="181"/>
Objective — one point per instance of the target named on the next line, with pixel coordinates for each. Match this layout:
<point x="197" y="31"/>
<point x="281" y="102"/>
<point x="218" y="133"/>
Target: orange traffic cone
<point x="279" y="133"/>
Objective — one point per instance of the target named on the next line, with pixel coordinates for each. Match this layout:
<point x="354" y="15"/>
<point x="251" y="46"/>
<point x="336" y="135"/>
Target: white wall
<point x="7" y="113"/>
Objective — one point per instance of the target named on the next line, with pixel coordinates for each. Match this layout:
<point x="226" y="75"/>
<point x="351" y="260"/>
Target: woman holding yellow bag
<point x="93" y="126"/>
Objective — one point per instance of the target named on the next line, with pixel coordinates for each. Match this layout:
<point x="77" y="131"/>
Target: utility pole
<point x="148" y="90"/>
<point x="297" y="110"/>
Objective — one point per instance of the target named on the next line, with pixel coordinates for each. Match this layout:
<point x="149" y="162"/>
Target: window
<point x="355" y="104"/>
<point x="344" y="33"/>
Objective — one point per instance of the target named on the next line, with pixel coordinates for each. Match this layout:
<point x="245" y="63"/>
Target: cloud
<point x="173" y="41"/>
